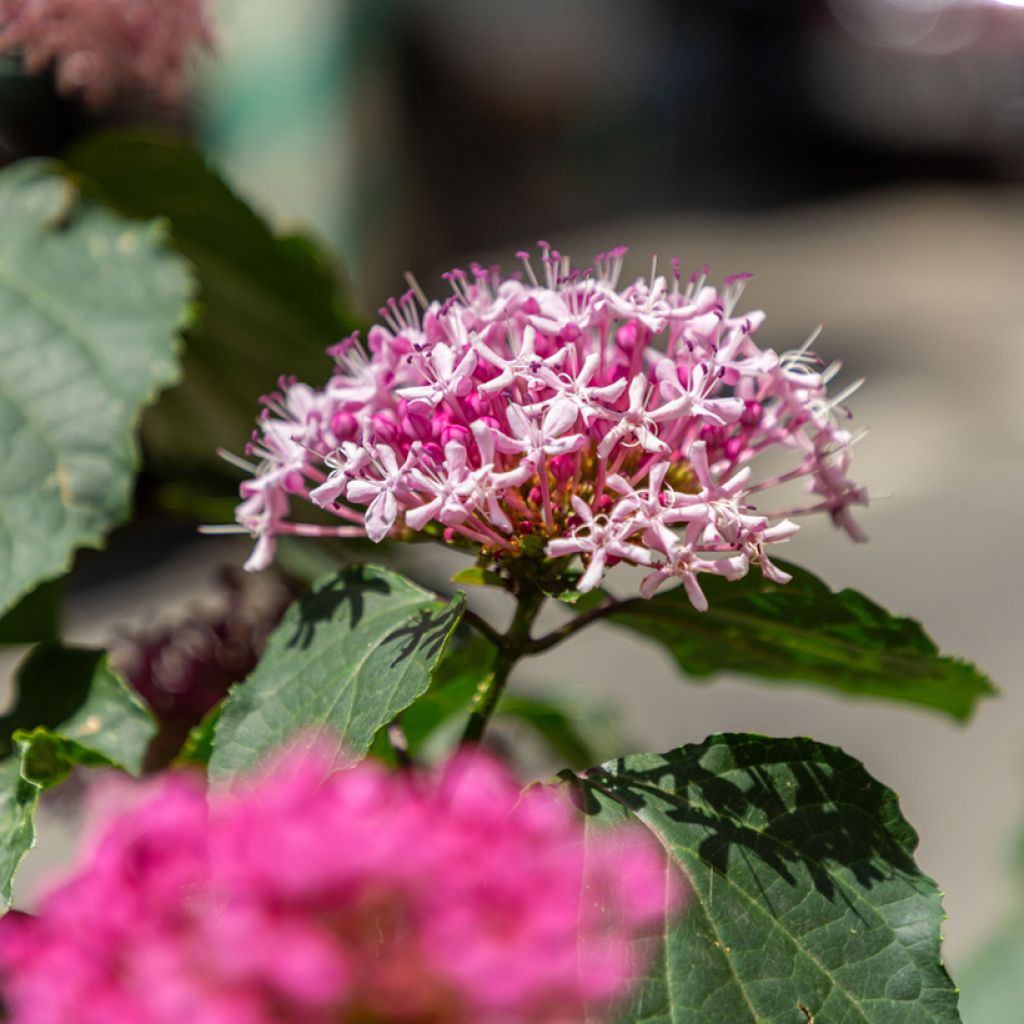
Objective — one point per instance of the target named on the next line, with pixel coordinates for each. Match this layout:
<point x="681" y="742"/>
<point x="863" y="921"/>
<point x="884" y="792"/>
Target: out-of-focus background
<point x="863" y="158"/>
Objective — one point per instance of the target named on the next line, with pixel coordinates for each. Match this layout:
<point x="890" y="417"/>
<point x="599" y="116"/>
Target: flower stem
<point x="581" y="621"/>
<point x="483" y="627"/>
<point x="509" y="648"/>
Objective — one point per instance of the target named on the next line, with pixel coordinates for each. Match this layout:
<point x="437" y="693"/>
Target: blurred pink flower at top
<point x="332" y="898"/>
<point x="101" y="47"/>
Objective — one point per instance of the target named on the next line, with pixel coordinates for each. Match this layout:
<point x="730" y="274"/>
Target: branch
<point x="483" y="627"/>
<point x="556" y="636"/>
<point x="509" y="648"/>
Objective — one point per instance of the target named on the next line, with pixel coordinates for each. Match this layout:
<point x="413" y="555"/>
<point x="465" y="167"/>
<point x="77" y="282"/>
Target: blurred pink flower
<point x="559" y="412"/>
<point x="330" y="898"/>
<point x="99" y="48"/>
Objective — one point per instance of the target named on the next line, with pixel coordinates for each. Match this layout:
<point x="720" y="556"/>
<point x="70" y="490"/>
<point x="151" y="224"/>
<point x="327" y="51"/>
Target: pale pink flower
<point x="536" y="440"/>
<point x="491" y="418"/>
<point x="99" y="48"/>
<point x="601" y="538"/>
<point x="523" y="367"/>
<point x="340" y="898"/>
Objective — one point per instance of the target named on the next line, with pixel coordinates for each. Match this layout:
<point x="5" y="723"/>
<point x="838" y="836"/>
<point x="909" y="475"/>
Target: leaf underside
<point x="804" y="632"/>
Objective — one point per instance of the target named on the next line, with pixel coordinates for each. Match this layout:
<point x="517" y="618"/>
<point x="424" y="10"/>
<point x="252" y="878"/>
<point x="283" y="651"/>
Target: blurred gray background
<point x="863" y="158"/>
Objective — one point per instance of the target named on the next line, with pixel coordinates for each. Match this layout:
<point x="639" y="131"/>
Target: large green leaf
<point x="70" y="709"/>
<point x="803" y="632"/>
<point x="805" y="903"/>
<point x="348" y="656"/>
<point x="271" y="304"/>
<point x="90" y="307"/>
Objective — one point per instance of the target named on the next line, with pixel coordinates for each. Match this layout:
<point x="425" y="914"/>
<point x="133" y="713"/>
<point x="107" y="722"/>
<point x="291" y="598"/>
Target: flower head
<point x="101" y="47"/>
<point x="338" y="898"/>
<point x="565" y="415"/>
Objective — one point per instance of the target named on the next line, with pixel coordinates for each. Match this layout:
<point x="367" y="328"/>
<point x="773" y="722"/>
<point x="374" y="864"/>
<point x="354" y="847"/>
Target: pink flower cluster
<point x="337" y="899"/>
<point x="565" y="415"/>
<point x="101" y="47"/>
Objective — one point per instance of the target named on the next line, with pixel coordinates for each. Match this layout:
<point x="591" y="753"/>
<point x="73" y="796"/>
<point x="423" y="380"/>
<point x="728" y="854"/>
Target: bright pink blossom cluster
<point x="564" y="415"/>
<point x="337" y="899"/>
<point x="101" y="47"/>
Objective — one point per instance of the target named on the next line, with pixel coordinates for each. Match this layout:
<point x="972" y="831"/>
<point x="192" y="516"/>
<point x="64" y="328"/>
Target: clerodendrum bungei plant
<point x="540" y="423"/>
<point x="336" y="840"/>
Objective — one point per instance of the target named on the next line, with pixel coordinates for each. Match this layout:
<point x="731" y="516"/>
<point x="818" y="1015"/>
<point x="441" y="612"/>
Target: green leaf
<point x="90" y="307"/>
<point x="803" y="632"/>
<point x="198" y="746"/>
<point x="477" y="576"/>
<point x="453" y="686"/>
<point x="348" y="656"/>
<point x="70" y="709"/>
<point x="805" y="902"/>
<point x="271" y="304"/>
<point x="36" y="617"/>
<point x="18" y="801"/>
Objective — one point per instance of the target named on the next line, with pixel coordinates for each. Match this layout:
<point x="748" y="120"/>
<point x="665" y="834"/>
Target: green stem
<point x="509" y="648"/>
<point x="556" y="636"/>
<point x="483" y="627"/>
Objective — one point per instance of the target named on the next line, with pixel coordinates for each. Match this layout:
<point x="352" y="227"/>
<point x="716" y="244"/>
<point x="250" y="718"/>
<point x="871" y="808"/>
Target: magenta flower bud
<point x="627" y="336"/>
<point x="385" y="428"/>
<point x="753" y="413"/>
<point x="734" y="446"/>
<point x="294" y="482"/>
<point x="712" y="434"/>
<point x="456" y="432"/>
<point x="344" y="426"/>
<point x="417" y="428"/>
<point x="563" y="467"/>
<point x="432" y="452"/>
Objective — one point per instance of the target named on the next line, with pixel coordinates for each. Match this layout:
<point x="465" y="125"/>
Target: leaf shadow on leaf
<point x="319" y="606"/>
<point x="831" y="816"/>
<point x="429" y="629"/>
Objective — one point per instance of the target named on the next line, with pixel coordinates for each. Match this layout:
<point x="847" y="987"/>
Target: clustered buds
<point x="99" y="48"/>
<point x="337" y="899"/>
<point x="561" y="416"/>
